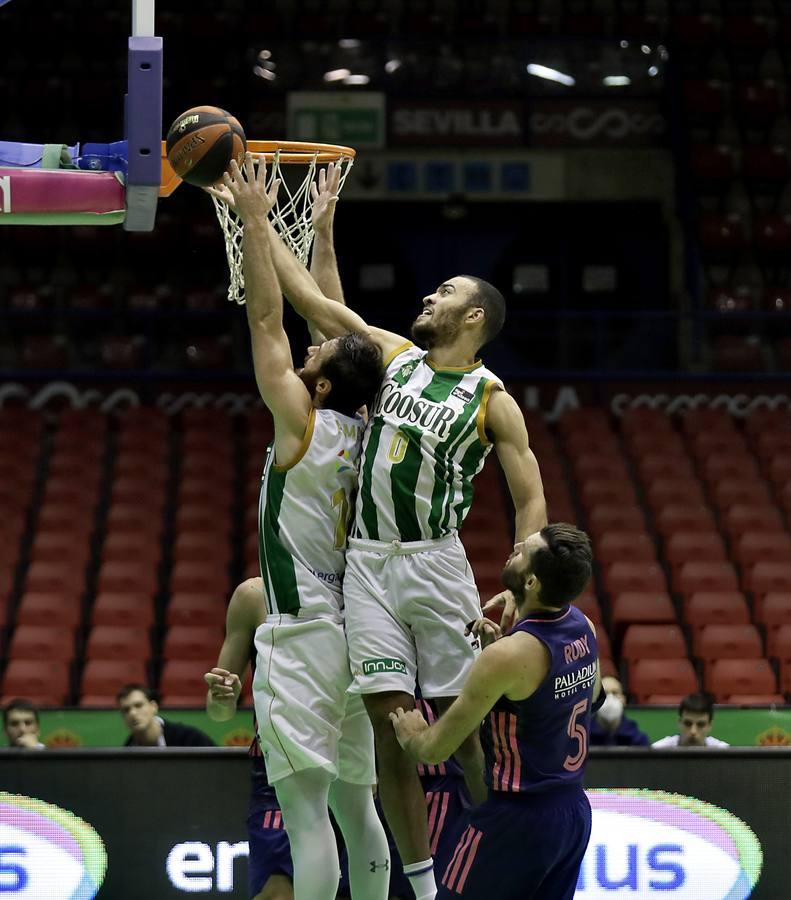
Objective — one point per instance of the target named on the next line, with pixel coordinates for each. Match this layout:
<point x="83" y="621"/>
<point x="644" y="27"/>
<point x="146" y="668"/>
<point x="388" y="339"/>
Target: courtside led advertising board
<point x="122" y="825"/>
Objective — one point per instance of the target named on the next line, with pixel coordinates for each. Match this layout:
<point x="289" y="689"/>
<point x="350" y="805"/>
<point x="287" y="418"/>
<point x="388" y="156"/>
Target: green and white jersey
<point x="423" y="445"/>
<point x="303" y="516"/>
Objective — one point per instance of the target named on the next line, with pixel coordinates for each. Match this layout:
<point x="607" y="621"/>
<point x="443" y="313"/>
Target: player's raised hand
<point x="506" y="601"/>
<point x="224" y="687"/>
<point x="407" y="725"/>
<point x="252" y="200"/>
<point x="325" y="197"/>
<point x="485" y="630"/>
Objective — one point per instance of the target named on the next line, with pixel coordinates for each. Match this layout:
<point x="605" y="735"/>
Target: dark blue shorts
<point x="270" y="851"/>
<point x="520" y="848"/>
<point x="447" y="817"/>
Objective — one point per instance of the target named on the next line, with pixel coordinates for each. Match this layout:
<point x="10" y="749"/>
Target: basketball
<point x="202" y="142"/>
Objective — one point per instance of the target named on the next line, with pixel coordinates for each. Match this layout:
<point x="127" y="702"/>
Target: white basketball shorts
<point x="306" y="717"/>
<point x="407" y="607"/>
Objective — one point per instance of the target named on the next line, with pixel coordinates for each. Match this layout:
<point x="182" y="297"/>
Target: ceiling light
<point x="349" y="43"/>
<point x="392" y="65"/>
<point x="356" y="79"/>
<point x="653" y="71"/>
<point x="337" y="74"/>
<point x="550" y="74"/>
<point x="616" y="80"/>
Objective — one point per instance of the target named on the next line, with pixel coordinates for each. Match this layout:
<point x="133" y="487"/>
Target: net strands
<point x="291" y="215"/>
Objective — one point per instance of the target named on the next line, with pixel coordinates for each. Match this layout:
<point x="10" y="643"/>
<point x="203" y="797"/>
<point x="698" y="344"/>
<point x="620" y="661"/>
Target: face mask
<point x="611" y="712"/>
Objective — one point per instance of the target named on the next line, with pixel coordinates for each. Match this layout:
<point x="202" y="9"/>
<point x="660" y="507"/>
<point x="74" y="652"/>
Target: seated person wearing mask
<point x="610" y="727"/>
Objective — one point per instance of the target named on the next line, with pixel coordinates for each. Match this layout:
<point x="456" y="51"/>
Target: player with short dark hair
<point x="695" y="720"/>
<point x="139" y="707"/>
<point x="21" y="724"/>
<point x="534" y="690"/>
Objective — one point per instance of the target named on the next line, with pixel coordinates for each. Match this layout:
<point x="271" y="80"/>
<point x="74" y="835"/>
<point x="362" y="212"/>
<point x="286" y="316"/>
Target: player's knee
<point x="379" y="707"/>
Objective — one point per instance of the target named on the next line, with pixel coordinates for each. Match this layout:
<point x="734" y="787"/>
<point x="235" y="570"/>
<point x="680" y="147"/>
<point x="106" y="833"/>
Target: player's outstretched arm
<point x="330" y="317"/>
<point x="225" y="679"/>
<point x="279" y="385"/>
<point x="493" y="674"/>
<point x="506" y="425"/>
<point x="323" y="261"/>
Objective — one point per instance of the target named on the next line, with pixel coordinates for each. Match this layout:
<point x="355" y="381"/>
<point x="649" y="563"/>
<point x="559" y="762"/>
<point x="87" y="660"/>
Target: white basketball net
<point x="291" y="215"/>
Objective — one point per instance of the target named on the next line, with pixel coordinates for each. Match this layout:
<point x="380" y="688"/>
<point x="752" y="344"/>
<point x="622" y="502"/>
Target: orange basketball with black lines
<point x="202" y="142"/>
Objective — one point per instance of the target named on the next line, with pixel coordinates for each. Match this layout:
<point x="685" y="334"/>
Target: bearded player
<point x="534" y="690"/>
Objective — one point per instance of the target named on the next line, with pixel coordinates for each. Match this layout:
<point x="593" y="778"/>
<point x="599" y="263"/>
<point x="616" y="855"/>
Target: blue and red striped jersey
<point x="541" y="742"/>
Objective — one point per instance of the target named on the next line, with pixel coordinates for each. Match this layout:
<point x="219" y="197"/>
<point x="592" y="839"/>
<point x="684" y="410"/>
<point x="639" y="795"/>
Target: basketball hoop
<point x="291" y="215"/>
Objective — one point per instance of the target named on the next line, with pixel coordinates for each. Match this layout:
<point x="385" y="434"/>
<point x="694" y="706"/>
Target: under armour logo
<point x="385" y="865"/>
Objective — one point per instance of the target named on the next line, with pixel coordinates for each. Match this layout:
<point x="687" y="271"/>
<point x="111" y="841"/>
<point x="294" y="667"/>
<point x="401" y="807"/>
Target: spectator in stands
<point x="139" y="709"/>
<point x="610" y="727"/>
<point x="695" y="718"/>
<point x="21" y="726"/>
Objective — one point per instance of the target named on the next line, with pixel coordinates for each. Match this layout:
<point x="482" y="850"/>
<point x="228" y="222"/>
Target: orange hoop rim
<point x="290" y="153"/>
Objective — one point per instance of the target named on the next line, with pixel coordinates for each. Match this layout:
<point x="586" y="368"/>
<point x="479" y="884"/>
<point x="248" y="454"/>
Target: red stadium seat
<point x="663" y="492"/>
<point x="727" y="642"/>
<point x="755" y="699"/>
<point x="606" y="517"/>
<point x="67" y="578"/>
<point x="205" y="610"/>
<point x="706" y="444"/>
<point x="42" y="681"/>
<point x="726" y="677"/>
<point x="706" y="419"/>
<point x="648" y="608"/>
<point x="123" y="610"/>
<point x="133" y="517"/>
<point x="193" y="642"/>
<point x="603" y="642"/>
<point x="768" y="577"/>
<point x="779" y="643"/>
<point x="198" y="547"/>
<point x="200" y="577"/>
<point x="694" y="546"/>
<point x="624" y="546"/>
<point x="751" y="517"/>
<point x="644" y="420"/>
<point x="608" y="668"/>
<point x="773" y="609"/>
<point x="103" y="678"/>
<point x="139" y="547"/>
<point x="715" y="608"/>
<point x="640" y="443"/>
<point x="120" y="643"/>
<point x="52" y="642"/>
<point x="759" y="546"/>
<point x="588" y="604"/>
<point x="628" y="576"/>
<point x="684" y="517"/>
<point x="663" y="465"/>
<point x="193" y="517"/>
<point x="49" y="608"/>
<point x="127" y="577"/>
<point x="184" y="678"/>
<point x="58" y="547"/>
<point x="133" y="489"/>
<point x="692" y="577"/>
<point x="719" y="466"/>
<point x="198" y="491"/>
<point x="589" y="466"/>
<point x="732" y="491"/>
<point x="661" y="676"/>
<point x="653" y="642"/>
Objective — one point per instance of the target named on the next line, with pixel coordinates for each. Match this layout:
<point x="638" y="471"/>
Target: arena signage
<point x="574" y="123"/>
<point x="46" y="851"/>
<point x="472" y="123"/>
<point x="657" y="844"/>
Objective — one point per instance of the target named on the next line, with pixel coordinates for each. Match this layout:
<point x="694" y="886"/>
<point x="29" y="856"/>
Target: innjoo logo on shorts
<point x="383" y="664"/>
